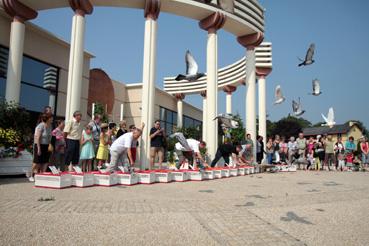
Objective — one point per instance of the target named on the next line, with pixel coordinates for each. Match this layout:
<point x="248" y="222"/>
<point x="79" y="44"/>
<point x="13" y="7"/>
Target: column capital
<point x="263" y="71"/>
<point x="229" y="89"/>
<point x="81" y="7"/>
<point x="180" y="96"/>
<point x="19" y="11"/>
<point x="251" y="41"/>
<point x="152" y="9"/>
<point x="203" y="94"/>
<point x="213" y="22"/>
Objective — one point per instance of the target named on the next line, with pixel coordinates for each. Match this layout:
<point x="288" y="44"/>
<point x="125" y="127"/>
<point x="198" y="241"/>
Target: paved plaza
<point x="303" y="208"/>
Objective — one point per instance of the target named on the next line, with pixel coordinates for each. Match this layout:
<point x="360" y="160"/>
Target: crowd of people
<point x="95" y="144"/>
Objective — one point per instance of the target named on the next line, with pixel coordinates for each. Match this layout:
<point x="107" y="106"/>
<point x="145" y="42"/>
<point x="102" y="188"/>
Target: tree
<point x="100" y="109"/>
<point x="238" y="134"/>
<point x="290" y="126"/>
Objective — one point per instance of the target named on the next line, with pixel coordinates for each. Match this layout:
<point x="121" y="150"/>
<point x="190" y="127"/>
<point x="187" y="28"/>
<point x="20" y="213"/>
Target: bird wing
<point x="324" y="118"/>
<point x="278" y="92"/>
<point x="191" y="65"/>
<point x="295" y="106"/>
<point x="316" y="86"/>
<point x="223" y="119"/>
<point x="310" y="52"/>
<point x="181" y="139"/>
<point x="330" y="115"/>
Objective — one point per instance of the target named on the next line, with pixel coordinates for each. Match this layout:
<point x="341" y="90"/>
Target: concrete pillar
<point x="152" y="10"/>
<point x="229" y="90"/>
<point x="250" y="42"/>
<point x="211" y="24"/>
<point x="180" y="97"/>
<point x="76" y="56"/>
<point x="204" y="116"/>
<point x="52" y="100"/>
<point x="20" y="13"/>
<point x="262" y="73"/>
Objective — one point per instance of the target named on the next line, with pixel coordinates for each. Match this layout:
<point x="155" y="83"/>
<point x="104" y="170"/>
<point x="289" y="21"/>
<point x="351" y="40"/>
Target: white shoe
<point x="31" y="179"/>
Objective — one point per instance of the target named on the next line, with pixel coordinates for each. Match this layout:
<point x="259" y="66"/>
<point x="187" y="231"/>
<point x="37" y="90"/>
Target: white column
<point x="229" y="103"/>
<point x="250" y="96"/>
<point x="148" y="88"/>
<point x="179" y="113"/>
<point x="52" y="100"/>
<point x="74" y="87"/>
<point x="204" y="116"/>
<point x="121" y="112"/>
<point x="262" y="109"/>
<point x="212" y="93"/>
<point x="15" y="60"/>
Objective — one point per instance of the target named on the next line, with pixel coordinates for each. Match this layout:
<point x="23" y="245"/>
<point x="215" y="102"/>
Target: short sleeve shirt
<point x="73" y="130"/>
<point x="122" y="143"/>
<point x="192" y="143"/>
<point x="156" y="141"/>
<point x="45" y="132"/>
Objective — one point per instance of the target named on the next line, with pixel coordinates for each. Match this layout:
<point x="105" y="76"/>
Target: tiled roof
<point x="322" y="130"/>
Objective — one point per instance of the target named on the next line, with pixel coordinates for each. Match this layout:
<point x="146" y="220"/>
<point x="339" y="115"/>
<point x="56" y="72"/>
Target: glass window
<point x="162" y="114"/>
<point x="2" y="87"/>
<point x="28" y="95"/>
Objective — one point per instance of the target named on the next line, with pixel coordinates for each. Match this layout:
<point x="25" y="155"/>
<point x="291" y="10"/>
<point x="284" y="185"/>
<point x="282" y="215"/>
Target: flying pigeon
<point x="316" y="88"/>
<point x="181" y="139"/>
<point x="226" y="5"/>
<point x="309" y="56"/>
<point x="296" y="107"/>
<point x="329" y="120"/>
<point x="227" y="121"/>
<point x="192" y="73"/>
<point x="279" y="98"/>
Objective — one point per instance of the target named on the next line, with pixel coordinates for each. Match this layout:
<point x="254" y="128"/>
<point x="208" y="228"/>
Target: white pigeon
<point x="329" y="120"/>
<point x="227" y="121"/>
<point x="296" y="107"/>
<point x="309" y="56"/>
<point x="316" y="88"/>
<point x="279" y="98"/>
<point x="192" y="68"/>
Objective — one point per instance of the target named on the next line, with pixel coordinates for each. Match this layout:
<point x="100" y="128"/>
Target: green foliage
<point x="191" y="132"/>
<point x="290" y="126"/>
<point x="15" y="117"/>
<point x="270" y="128"/>
<point x="100" y="109"/>
<point x="238" y="134"/>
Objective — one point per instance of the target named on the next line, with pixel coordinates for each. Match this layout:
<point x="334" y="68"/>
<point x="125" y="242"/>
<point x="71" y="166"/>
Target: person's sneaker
<point x="31" y="179"/>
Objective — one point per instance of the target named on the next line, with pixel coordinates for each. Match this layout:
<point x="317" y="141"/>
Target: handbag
<point x="50" y="148"/>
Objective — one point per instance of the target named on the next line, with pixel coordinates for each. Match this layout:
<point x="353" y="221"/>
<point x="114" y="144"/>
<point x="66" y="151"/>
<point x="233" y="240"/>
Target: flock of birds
<point x="296" y="105"/>
<point x="227" y="121"/>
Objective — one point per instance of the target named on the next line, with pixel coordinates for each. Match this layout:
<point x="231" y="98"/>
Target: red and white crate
<point x="126" y="178"/>
<point x="55" y="181"/>
<point x="82" y="179"/>
<point x="163" y="176"/>
<point x="208" y="174"/>
<point x="249" y="169"/>
<point x="180" y="176"/>
<point x="225" y="172"/>
<point x="218" y="172"/>
<point x="195" y="175"/>
<point x="105" y="179"/>
<point x="233" y="171"/>
<point x="146" y="177"/>
<point x="241" y="171"/>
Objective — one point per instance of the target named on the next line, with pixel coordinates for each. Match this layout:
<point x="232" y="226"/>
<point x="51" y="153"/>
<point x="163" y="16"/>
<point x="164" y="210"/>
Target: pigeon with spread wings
<point x="309" y="56"/>
<point x="227" y="121"/>
<point x="329" y="120"/>
<point x="297" y="108"/>
<point x="316" y="88"/>
<point x="279" y="98"/>
<point x="192" y="68"/>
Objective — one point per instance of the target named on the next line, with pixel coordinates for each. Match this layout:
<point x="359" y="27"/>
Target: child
<point x="341" y="162"/>
<point x="59" y="144"/>
<point x="349" y="161"/>
<point x="103" y="151"/>
<point x="87" y="151"/>
<point x="310" y="159"/>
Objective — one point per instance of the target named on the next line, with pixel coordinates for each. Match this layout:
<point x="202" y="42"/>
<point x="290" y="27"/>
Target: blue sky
<point x="339" y="28"/>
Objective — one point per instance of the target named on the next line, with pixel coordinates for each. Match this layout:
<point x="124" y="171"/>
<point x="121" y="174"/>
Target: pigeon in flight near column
<point x="192" y="73"/>
<point x="296" y="107"/>
<point x="316" y="88"/>
<point x="279" y="98"/>
<point x="329" y="120"/>
<point x="227" y="121"/>
<point x="309" y="56"/>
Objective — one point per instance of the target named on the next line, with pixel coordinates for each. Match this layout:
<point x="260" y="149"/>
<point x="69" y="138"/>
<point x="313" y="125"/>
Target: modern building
<point x="349" y="129"/>
<point x="45" y="78"/>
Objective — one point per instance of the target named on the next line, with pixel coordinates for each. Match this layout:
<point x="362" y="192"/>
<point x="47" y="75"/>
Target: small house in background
<point x="350" y="128"/>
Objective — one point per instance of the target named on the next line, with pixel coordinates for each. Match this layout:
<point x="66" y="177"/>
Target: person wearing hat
<point x="103" y="151"/>
<point x="72" y="134"/>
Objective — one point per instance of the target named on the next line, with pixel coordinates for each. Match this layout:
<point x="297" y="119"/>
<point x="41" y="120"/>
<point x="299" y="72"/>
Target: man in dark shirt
<point x="225" y="150"/>
<point x="157" y="136"/>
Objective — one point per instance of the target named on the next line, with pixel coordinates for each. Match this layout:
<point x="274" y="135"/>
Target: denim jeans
<point x="365" y="158"/>
<point x="270" y="158"/>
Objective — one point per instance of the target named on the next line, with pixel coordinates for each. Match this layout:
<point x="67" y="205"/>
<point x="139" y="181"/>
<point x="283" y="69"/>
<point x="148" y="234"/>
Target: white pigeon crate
<point x="250" y="170"/>
<point x="82" y="179"/>
<point x="55" y="181"/>
<point x="195" y="175"/>
<point x="233" y="172"/>
<point x="180" y="176"/>
<point x="292" y="168"/>
<point x="105" y="179"/>
<point x="146" y="177"/>
<point x="208" y="174"/>
<point x="125" y="178"/>
<point x="163" y="176"/>
<point x="218" y="173"/>
<point x="241" y="171"/>
<point x="226" y="173"/>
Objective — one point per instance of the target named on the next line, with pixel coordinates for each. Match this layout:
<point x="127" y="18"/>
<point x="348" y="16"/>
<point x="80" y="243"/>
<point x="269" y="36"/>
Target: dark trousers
<point x="71" y="152"/>
<point x="259" y="157"/>
<point x="219" y="155"/>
